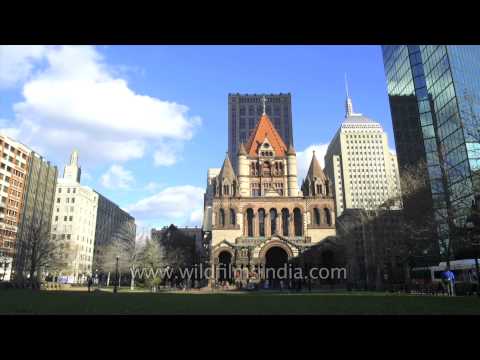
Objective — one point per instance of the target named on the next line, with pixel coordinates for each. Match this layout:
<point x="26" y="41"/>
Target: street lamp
<point x="116" y="276"/>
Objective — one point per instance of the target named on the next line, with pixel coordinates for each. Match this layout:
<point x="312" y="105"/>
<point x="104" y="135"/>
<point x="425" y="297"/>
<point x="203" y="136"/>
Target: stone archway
<point x="276" y="259"/>
<point x="225" y="265"/>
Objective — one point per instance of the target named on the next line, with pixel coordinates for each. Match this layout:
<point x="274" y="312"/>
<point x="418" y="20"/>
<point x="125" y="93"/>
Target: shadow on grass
<point x="261" y="303"/>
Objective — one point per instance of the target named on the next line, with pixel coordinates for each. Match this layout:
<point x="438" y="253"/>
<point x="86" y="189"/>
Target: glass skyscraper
<point x="434" y="94"/>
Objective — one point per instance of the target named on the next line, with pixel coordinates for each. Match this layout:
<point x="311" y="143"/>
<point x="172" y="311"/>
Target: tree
<point x="128" y="258"/>
<point x="151" y="257"/>
<point x="36" y="253"/>
<point x="177" y="248"/>
<point x="417" y="243"/>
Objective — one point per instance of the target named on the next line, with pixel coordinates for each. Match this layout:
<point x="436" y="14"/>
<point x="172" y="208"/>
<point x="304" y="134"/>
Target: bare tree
<point x="419" y="235"/>
<point x="37" y="253"/>
<point x="128" y="258"/>
<point x="150" y="257"/>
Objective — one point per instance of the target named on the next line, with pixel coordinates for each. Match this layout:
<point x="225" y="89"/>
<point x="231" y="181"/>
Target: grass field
<point x="80" y="302"/>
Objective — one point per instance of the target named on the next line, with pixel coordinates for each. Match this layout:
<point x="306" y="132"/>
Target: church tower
<point x="292" y="171"/>
<point x="316" y="183"/>
<point x="243" y="172"/>
<point x="257" y="216"/>
<point x="226" y="184"/>
<point x="72" y="171"/>
<point x="266" y="166"/>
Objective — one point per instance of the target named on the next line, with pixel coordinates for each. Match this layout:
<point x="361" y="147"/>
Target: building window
<point x="316" y="213"/>
<point x="250" y="222"/>
<point x="261" y="222"/>
<point x="273" y="221"/>
<point x="222" y="217"/>
<point x="328" y="218"/>
<point x="285" y="220"/>
<point x="297" y="222"/>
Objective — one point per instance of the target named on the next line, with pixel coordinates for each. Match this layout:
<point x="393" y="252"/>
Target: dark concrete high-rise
<point x="434" y="93"/>
<point x="244" y="110"/>
<point x="38" y="202"/>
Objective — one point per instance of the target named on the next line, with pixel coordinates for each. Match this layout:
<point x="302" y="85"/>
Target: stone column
<point x="268" y="227"/>
<point x="280" y="223"/>
<point x="291" y="229"/>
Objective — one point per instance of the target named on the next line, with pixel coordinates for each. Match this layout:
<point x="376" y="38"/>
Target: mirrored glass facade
<point x="434" y="98"/>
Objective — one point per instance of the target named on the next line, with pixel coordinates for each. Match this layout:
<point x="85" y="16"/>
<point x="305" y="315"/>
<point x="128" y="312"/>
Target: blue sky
<point x="95" y="99"/>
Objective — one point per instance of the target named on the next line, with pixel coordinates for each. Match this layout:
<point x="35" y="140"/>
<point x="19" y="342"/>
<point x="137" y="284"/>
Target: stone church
<point x="257" y="217"/>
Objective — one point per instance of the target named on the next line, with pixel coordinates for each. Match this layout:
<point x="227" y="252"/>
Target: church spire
<point x="348" y="101"/>
<point x="72" y="171"/>
<point x="74" y="157"/>
<point x="227" y="171"/>
<point x="315" y="170"/>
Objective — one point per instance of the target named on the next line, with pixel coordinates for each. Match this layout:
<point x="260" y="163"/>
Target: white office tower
<point x="359" y="162"/>
<point x="72" y="171"/>
<point x="73" y="222"/>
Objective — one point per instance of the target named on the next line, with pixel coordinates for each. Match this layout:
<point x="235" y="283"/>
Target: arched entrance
<point x="224" y="266"/>
<point x="275" y="259"/>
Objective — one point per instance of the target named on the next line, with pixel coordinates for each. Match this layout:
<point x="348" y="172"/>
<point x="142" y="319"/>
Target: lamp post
<point x="116" y="276"/>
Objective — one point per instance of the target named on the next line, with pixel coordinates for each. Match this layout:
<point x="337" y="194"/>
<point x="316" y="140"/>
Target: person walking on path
<point x="449" y="281"/>
<point x="89" y="283"/>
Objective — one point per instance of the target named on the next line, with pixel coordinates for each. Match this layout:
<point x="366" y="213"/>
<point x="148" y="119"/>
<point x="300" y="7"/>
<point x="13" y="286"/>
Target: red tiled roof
<point x="265" y="129"/>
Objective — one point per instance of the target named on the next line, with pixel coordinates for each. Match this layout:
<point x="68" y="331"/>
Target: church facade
<point x="256" y="216"/>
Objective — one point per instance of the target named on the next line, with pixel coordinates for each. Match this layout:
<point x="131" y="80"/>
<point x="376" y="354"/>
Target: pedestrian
<point x="451" y="283"/>
<point x="89" y="283"/>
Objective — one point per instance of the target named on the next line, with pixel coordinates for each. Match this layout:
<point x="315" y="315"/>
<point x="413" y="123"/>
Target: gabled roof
<point x="315" y="170"/>
<point x="265" y="129"/>
<point x="227" y="170"/>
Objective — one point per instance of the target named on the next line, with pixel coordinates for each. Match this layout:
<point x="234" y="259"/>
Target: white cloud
<point x="181" y="205"/>
<point x="152" y="186"/>
<point x="77" y="99"/>
<point x="166" y="155"/>
<point x="304" y="158"/>
<point x="117" y="177"/>
<point x="17" y="63"/>
<point x="197" y="216"/>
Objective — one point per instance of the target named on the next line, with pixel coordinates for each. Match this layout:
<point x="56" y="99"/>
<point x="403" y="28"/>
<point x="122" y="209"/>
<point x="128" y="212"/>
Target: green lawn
<point x="80" y="302"/>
